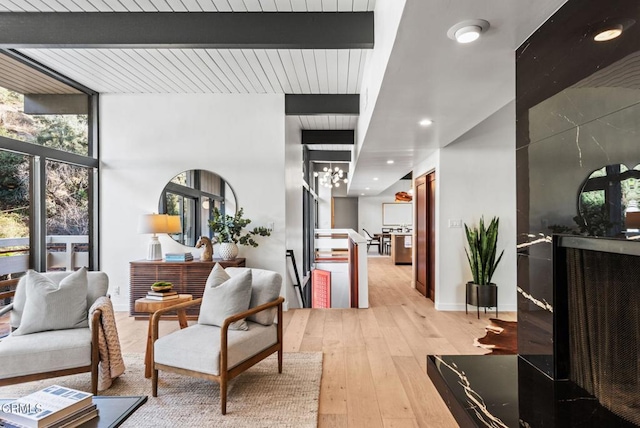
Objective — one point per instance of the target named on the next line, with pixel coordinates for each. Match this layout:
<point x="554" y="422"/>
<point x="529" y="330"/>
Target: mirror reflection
<point x="608" y="202"/>
<point x="192" y="195"/>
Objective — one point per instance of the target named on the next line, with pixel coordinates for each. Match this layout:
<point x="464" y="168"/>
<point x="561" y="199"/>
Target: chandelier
<point x="331" y="177"/>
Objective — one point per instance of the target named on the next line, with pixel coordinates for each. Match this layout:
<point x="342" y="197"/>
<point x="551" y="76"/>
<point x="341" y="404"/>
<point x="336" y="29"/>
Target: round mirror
<point x="608" y="201"/>
<point x="192" y="195"/>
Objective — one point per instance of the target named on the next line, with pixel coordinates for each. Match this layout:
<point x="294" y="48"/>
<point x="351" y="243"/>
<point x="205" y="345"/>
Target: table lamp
<point x="173" y="224"/>
<point x="157" y="223"/>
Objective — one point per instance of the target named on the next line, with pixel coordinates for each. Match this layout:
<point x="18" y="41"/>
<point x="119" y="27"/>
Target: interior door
<point x="421" y="235"/>
<point x="425" y="192"/>
<point x="431" y="234"/>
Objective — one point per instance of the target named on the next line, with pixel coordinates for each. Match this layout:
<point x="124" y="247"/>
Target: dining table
<point x="384" y="238"/>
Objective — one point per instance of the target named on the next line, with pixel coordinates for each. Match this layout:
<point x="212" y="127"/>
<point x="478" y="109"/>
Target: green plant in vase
<point x="229" y="231"/>
<point x="482" y="252"/>
<point x="483" y="243"/>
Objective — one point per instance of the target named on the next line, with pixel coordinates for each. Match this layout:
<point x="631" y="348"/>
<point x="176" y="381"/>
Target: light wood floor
<point x="374" y="368"/>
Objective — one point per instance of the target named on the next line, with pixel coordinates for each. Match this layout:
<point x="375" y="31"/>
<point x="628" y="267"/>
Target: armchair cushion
<point x="44" y="352"/>
<point x="225" y="296"/>
<point x="265" y="288"/>
<point x="51" y="306"/>
<point x="97" y="285"/>
<point x="197" y="347"/>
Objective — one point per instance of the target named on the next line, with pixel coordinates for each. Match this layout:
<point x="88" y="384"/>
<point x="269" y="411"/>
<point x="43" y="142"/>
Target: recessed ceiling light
<point x="607" y="34"/>
<point x="361" y="194"/>
<point x="606" y="31"/>
<point x="468" y="34"/>
<point x="468" y="31"/>
<point x="426" y="122"/>
<point x="366" y="188"/>
<point x="375" y="178"/>
<point x="389" y="161"/>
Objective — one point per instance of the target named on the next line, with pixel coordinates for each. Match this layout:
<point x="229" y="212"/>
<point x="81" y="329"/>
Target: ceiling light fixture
<point x="611" y="30"/>
<point x="389" y="162"/>
<point x="331" y="177"/>
<point x="608" y="34"/>
<point x="375" y="178"/>
<point x="468" y="31"/>
<point x="425" y="122"/>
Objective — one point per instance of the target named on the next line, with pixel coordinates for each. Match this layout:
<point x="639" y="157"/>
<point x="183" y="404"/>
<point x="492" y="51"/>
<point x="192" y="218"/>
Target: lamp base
<point x="155" y="249"/>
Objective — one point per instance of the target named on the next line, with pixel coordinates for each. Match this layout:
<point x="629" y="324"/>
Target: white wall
<point x="293" y="188"/>
<point x="387" y="16"/>
<point x="324" y="207"/>
<point x="147" y="139"/>
<point x="370" y="207"/>
<point x="475" y="176"/>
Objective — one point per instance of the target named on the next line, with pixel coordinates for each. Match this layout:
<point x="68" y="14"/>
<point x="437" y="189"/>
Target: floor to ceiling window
<point x="48" y="170"/>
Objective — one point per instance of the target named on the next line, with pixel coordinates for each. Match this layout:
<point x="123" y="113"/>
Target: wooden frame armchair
<point x="223" y="373"/>
<point x="37" y="353"/>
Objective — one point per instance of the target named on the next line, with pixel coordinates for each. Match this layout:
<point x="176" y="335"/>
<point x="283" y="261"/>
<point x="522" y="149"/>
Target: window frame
<point x="39" y="155"/>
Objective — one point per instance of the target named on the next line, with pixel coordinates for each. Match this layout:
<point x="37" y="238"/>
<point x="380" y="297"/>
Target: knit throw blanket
<point x="111" y="364"/>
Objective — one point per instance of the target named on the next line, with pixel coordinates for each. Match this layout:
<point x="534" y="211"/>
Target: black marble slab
<point x="507" y="391"/>
<point x="577" y="152"/>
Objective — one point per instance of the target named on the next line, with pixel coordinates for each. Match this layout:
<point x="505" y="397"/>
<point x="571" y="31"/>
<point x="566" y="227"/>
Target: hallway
<point x="374" y="359"/>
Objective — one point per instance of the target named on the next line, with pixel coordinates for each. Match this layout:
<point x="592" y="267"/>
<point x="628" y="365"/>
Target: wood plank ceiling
<point x="234" y="71"/>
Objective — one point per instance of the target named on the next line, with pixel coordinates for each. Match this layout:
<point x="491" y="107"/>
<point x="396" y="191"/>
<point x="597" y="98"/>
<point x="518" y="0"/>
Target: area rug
<point x="260" y="397"/>
<point x="501" y="337"/>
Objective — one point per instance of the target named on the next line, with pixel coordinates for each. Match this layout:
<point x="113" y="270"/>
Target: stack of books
<point x="52" y="407"/>
<point x="162" y="295"/>
<point x="178" y="257"/>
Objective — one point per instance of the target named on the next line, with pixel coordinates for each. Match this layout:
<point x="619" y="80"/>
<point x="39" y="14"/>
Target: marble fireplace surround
<point x="577" y="112"/>
<point x="596" y="346"/>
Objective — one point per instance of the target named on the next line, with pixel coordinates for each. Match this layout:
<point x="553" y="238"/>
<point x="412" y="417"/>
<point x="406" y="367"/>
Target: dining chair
<point x="371" y="241"/>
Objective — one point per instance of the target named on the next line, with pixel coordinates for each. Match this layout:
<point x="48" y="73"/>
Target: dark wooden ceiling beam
<point x="197" y="30"/>
<point x="329" y="156"/>
<point x="328" y="136"/>
<point x="321" y="104"/>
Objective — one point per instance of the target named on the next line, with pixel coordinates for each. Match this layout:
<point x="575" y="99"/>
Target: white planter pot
<point x="228" y="250"/>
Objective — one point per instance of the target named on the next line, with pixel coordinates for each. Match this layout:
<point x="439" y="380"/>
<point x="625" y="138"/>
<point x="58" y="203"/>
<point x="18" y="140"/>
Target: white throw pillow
<point x="51" y="306"/>
<point x="265" y="288"/>
<point x="225" y="296"/>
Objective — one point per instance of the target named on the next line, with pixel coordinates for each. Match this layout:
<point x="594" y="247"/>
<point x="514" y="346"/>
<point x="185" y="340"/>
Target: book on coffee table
<point x="169" y="297"/>
<point x="162" y="293"/>
<point x="47" y="407"/>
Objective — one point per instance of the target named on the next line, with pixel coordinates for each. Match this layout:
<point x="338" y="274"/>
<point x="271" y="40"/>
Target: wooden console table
<point x="186" y="277"/>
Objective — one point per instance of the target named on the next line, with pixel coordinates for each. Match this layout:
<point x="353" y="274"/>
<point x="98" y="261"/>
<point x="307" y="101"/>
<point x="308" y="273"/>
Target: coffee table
<point x="112" y="411"/>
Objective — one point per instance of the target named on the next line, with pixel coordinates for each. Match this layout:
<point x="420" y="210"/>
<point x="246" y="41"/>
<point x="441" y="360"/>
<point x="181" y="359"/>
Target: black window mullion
<point x="38" y="215"/>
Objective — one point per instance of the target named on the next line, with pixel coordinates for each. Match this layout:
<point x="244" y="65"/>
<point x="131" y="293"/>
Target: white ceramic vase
<point x="228" y="250"/>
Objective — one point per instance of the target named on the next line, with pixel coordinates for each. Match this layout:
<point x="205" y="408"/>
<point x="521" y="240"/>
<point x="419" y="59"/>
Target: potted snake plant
<point x="482" y="252"/>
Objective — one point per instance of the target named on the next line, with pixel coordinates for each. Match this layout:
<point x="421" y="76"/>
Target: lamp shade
<point x="173" y="224"/>
<point x="153" y="223"/>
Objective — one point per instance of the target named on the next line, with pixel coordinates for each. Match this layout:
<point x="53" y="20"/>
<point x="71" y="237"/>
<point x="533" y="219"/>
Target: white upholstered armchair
<point x="50" y="327"/>
<point x="235" y="329"/>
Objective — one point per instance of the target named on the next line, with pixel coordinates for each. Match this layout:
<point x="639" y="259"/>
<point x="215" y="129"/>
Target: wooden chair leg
<point x="223" y="394"/>
<point x="154" y="382"/>
<point x="280" y="360"/>
<point x="94" y="379"/>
